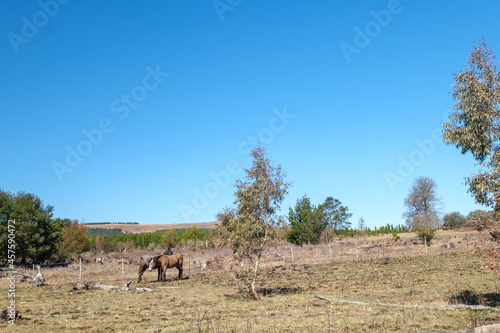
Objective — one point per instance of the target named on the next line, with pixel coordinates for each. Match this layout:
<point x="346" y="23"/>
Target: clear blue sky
<point x="145" y="111"/>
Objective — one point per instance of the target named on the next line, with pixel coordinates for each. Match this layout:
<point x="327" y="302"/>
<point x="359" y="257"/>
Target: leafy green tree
<point x="423" y="205"/>
<point x="453" y="220"/>
<point x="247" y="227"/>
<point x="306" y="221"/>
<point x="336" y="216"/>
<point x="170" y="238"/>
<point x="474" y="124"/>
<point x="75" y="239"/>
<point x="36" y="233"/>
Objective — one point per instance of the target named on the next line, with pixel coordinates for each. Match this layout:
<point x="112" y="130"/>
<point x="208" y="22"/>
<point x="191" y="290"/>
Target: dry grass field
<point x="401" y="296"/>
<point x="139" y="228"/>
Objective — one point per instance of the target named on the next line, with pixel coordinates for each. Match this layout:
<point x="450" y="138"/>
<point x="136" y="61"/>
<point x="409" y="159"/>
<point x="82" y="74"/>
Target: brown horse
<point x="144" y="264"/>
<point x="167" y="261"/>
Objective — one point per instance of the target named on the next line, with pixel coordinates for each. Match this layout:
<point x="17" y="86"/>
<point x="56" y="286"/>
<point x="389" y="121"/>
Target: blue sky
<point x="145" y="111"/>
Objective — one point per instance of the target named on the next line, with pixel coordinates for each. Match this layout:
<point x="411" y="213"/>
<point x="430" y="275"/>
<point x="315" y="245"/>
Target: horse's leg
<point x="142" y="268"/>
<point x="159" y="274"/>
<point x="163" y="275"/>
<point x="180" y="272"/>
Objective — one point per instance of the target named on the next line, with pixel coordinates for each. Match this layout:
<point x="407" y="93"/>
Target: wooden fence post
<point x="291" y="250"/>
<point x="357" y="253"/>
<point x="80" y="279"/>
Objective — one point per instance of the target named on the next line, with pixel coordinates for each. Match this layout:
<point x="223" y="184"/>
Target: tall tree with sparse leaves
<point x="474" y="124"/>
<point x="247" y="227"/>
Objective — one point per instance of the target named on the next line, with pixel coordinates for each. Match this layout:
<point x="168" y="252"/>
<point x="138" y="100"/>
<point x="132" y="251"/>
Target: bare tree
<point x="423" y="205"/>
<point x="361" y="224"/>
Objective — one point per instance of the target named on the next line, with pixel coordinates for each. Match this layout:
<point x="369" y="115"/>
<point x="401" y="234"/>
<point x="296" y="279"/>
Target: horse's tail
<point x="142" y="267"/>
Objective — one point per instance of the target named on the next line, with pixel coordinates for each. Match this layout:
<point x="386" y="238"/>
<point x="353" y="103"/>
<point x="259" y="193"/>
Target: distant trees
<point x="247" y="227"/>
<point x="315" y="222"/>
<point x="104" y="243"/>
<point x="479" y="214"/>
<point x="474" y="124"/>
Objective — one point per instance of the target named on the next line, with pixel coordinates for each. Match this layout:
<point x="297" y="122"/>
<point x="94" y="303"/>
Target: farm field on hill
<point x="140" y="228"/>
<point x="209" y="301"/>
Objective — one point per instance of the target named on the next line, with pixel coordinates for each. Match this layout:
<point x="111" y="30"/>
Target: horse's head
<point x="152" y="264"/>
<point x="168" y="252"/>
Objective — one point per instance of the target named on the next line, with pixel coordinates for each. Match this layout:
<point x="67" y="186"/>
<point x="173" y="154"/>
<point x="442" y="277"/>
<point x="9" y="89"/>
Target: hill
<point x="140" y="228"/>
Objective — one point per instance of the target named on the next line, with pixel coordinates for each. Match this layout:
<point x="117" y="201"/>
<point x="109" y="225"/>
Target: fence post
<point x="122" y="267"/>
<point x="291" y="250"/>
<point x="80" y="279"/>
<point x="330" y="250"/>
<point x="425" y="242"/>
<point x="357" y="253"/>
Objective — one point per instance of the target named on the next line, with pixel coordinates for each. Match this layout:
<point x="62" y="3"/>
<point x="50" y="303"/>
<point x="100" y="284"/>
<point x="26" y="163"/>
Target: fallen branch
<point x="125" y="287"/>
<point x="413" y="306"/>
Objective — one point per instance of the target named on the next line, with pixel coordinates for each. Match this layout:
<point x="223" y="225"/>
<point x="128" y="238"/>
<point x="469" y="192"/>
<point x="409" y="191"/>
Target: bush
<point x="170" y="238"/>
<point x="453" y="220"/>
<point x="75" y="239"/>
<point x="426" y="234"/>
<point x="293" y="237"/>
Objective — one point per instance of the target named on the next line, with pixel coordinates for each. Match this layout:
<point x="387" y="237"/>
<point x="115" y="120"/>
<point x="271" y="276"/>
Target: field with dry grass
<point x="361" y="292"/>
<point x="140" y="228"/>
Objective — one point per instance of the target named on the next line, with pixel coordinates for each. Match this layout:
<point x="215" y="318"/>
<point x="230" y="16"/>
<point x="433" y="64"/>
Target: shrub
<point x="453" y="220"/>
<point x="426" y="234"/>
